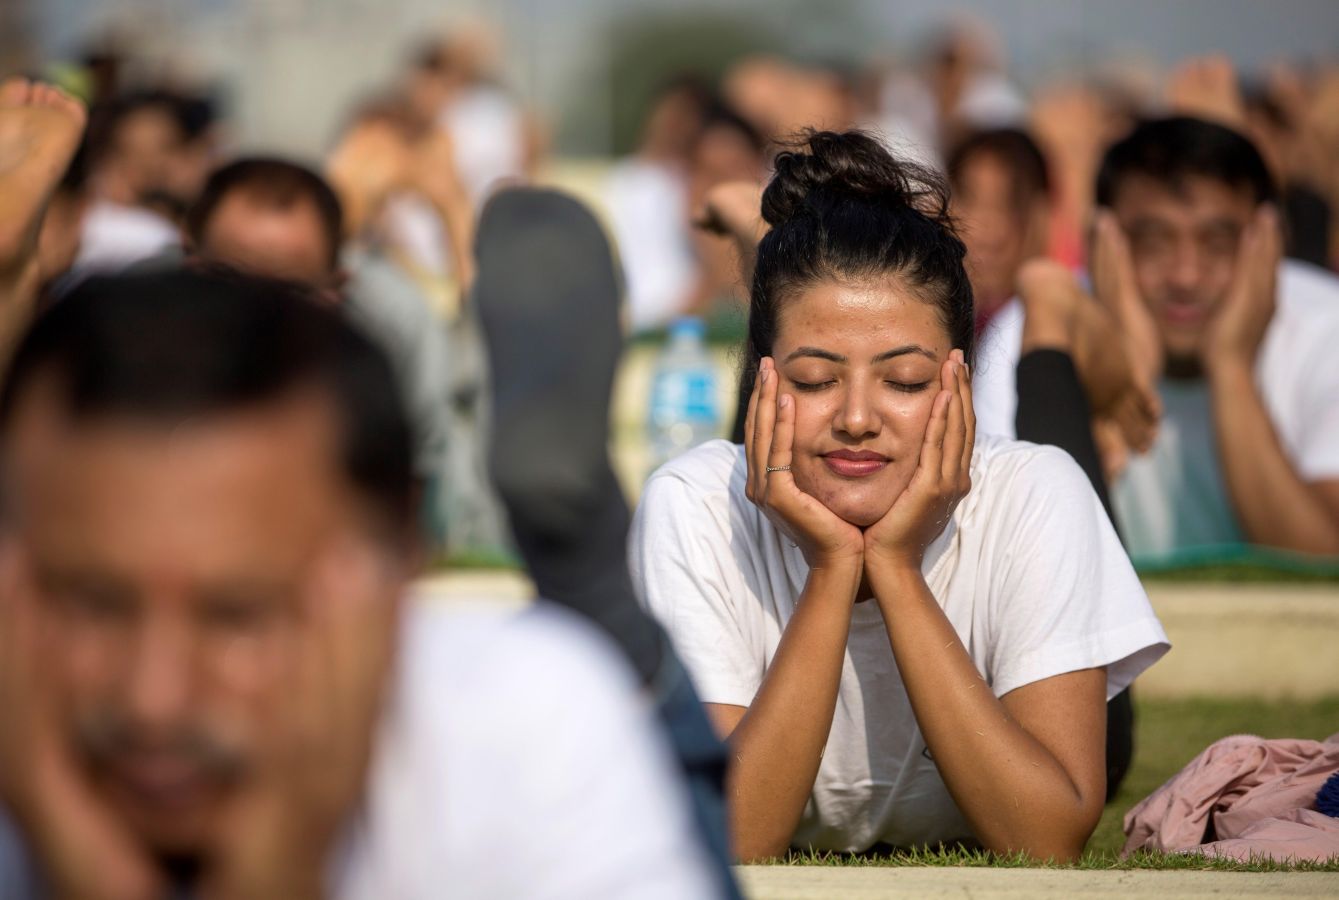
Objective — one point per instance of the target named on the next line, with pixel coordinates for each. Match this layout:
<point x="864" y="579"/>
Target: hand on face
<point x="942" y="476"/>
<point x="769" y="436"/>
<point x="1238" y="325"/>
<point x="1116" y="287"/>
<point x="276" y="837"/>
<point x="81" y="847"/>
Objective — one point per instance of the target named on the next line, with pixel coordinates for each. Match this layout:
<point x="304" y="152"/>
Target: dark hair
<point x="720" y="115"/>
<point x="275" y="182"/>
<point x="1014" y="149"/>
<point x="191" y="115"/>
<point x="1175" y="149"/>
<point x="841" y="207"/>
<point x="166" y="346"/>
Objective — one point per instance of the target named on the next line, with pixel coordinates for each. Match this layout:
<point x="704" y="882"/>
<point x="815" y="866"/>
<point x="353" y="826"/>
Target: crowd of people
<point x="997" y="346"/>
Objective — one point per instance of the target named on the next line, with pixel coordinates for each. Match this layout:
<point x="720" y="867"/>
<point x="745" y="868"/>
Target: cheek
<point x="84" y="659"/>
<point x="911" y="413"/>
<point x="813" y="418"/>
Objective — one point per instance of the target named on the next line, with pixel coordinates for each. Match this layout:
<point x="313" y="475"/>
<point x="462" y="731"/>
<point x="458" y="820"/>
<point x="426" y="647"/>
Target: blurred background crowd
<point x="414" y="111"/>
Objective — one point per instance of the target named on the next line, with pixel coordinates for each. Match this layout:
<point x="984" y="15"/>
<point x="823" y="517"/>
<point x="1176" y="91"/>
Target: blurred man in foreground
<point x="210" y="678"/>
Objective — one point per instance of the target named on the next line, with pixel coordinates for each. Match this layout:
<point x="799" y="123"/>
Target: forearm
<point x="1274" y="505"/>
<point x="457" y="215"/>
<point x="1013" y="792"/>
<point x="777" y="746"/>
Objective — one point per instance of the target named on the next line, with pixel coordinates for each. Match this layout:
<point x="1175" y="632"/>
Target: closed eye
<point x="908" y="388"/>
<point x="811" y="386"/>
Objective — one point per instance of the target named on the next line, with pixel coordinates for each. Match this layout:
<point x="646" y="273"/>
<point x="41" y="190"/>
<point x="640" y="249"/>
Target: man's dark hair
<point x="165" y="347"/>
<point x="1170" y="151"/>
<point x="1012" y="148"/>
<point x="274" y="182"/>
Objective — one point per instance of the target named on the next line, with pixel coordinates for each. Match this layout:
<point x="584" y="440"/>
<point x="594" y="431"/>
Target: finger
<point x="968" y="413"/>
<point x="763" y="422"/>
<point x="749" y="419"/>
<point x="932" y="446"/>
<point x="955" y="433"/>
<point x="783" y="437"/>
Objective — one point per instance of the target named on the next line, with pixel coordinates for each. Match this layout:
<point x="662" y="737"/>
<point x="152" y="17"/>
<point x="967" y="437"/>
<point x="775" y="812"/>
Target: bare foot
<point x="1059" y="315"/>
<point x="40" y="128"/>
<point x="734" y="209"/>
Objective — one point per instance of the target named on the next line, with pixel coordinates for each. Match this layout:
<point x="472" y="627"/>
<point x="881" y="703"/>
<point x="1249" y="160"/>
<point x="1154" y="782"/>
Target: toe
<point x="15" y="91"/>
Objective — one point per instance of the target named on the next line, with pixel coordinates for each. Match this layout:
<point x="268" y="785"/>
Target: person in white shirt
<point x="908" y="636"/>
<point x="1238" y="341"/>
<point x="211" y="679"/>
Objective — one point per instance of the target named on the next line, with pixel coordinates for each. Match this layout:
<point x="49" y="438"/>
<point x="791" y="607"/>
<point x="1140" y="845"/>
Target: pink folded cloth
<point x="1246" y="798"/>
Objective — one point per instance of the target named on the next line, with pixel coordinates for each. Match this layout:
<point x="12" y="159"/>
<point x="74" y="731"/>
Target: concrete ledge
<point x="1274" y="641"/>
<point x="872" y="883"/>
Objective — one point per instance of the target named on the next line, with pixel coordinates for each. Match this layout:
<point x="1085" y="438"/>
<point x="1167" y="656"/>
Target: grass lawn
<point x="1168" y="734"/>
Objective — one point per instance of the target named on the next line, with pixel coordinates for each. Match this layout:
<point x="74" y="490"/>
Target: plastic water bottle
<point x="683" y="394"/>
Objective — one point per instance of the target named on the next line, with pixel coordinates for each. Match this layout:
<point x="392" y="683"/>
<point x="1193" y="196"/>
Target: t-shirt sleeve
<point x="1065" y="595"/>
<point x="1317" y="441"/>
<point x="681" y="558"/>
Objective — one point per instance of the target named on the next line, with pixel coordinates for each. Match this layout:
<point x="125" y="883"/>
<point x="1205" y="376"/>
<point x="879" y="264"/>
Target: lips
<point x="159" y="781"/>
<point x="855" y="463"/>
<point x="1184" y="313"/>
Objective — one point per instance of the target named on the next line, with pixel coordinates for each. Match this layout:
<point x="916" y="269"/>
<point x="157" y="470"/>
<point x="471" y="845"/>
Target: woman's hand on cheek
<point x="826" y="540"/>
<point x="941" y="479"/>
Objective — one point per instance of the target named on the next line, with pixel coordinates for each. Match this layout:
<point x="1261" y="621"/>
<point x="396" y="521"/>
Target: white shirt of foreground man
<point x="1028" y="571"/>
<point x="1175" y="496"/>
<point x="515" y="759"/>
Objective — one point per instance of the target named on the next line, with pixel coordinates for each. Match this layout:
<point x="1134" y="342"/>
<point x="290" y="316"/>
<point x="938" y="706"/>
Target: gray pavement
<point x="872" y="883"/>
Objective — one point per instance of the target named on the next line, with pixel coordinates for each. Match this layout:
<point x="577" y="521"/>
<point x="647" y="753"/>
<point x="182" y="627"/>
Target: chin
<point x="179" y="831"/>
<point x="862" y="507"/>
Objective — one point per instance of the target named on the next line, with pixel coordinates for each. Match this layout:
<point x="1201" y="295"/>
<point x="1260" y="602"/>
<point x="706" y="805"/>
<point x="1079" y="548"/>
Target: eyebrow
<point x="838" y="358"/>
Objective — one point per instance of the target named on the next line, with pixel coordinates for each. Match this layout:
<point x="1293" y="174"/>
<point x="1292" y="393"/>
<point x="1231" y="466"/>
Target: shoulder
<point x="485" y="652"/>
<point x="1306" y="321"/>
<point x="1012" y="480"/>
<point x="712" y="473"/>
<point x="997" y="459"/>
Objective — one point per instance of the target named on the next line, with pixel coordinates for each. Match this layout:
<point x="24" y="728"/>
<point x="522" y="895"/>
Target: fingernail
<point x="785" y="401"/>
<point x="763" y="376"/>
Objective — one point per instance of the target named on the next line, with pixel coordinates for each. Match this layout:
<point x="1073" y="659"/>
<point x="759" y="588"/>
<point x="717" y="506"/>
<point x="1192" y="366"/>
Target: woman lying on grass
<point x="907" y="634"/>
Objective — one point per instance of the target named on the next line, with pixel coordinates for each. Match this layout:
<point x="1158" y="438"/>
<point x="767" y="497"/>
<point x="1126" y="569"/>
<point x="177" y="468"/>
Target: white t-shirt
<point x="648" y="214"/>
<point x="1028" y="571"/>
<point x="1174" y="496"/>
<point x="516" y="759"/>
<point x="113" y="237"/>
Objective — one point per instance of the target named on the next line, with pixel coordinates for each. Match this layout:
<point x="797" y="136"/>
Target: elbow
<point x="757" y="840"/>
<point x="1058" y="852"/>
<point x="1062" y="839"/>
<point x="759" y="848"/>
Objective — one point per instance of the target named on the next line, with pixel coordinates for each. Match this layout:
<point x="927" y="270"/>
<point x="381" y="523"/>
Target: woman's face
<point x="862" y="362"/>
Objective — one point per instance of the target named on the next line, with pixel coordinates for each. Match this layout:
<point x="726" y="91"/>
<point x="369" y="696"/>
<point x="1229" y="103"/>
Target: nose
<point x="857" y="416"/>
<point x="1187" y="269"/>
<point x="158" y="675"/>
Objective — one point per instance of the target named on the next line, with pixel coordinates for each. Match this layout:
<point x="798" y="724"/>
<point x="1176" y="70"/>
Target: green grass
<point x="1168" y="734"/>
<point x="1091" y="861"/>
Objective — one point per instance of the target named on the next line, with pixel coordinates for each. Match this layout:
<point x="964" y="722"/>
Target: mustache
<point x="106" y="736"/>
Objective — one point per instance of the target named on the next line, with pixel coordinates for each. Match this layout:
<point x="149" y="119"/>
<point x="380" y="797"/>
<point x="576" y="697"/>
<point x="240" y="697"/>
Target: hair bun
<point x="825" y="167"/>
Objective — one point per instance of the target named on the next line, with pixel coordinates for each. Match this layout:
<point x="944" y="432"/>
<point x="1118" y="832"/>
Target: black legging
<point x="1052" y="409"/>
